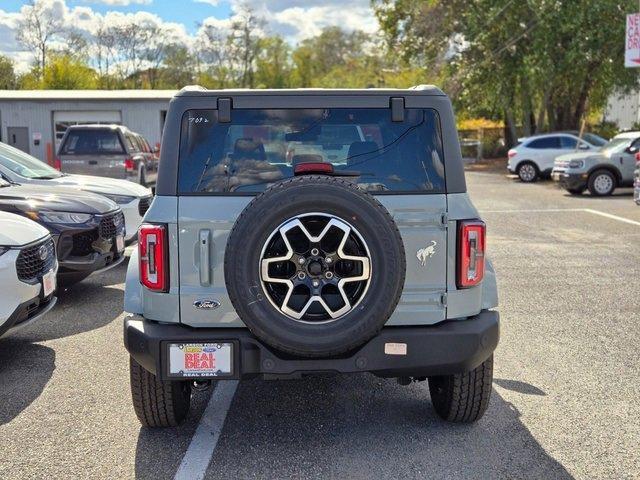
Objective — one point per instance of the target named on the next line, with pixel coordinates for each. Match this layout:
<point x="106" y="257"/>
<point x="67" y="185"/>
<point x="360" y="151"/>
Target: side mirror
<point x="584" y="146"/>
<point x="632" y="150"/>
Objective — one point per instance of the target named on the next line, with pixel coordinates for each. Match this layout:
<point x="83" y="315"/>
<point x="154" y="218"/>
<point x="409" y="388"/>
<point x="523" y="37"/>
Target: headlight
<point x="64" y="217"/>
<point x="576" y="164"/>
<point x="119" y="199"/>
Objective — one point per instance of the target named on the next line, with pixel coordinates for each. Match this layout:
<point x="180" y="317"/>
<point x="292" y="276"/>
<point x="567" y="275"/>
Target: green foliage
<point x="542" y="64"/>
<point x="7" y="74"/>
<point x="62" y="72"/>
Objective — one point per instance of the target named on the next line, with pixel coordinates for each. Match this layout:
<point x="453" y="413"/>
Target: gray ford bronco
<point x="303" y="231"/>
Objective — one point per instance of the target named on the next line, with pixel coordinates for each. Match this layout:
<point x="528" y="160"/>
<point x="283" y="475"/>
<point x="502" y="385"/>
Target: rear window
<point x="260" y="147"/>
<point x="92" y="142"/>
<point x="542" y="143"/>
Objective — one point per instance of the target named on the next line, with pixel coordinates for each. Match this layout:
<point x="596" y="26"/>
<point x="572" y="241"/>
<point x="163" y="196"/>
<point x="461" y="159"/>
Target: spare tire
<point x="314" y="266"/>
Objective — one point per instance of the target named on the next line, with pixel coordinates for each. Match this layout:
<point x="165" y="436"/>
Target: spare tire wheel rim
<point x="315" y="268"/>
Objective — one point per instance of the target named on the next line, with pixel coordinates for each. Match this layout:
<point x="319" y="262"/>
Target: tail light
<point x="313" y="167"/>
<point x="511" y="153"/>
<point x="154" y="259"/>
<point x="638" y="159"/>
<point x="471" y="247"/>
<point x="129" y="165"/>
<point x="57" y="164"/>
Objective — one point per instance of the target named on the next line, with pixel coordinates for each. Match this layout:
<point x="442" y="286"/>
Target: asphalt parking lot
<point x="564" y="403"/>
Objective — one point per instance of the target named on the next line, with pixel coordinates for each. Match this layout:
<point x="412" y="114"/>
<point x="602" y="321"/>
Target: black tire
<point x="576" y="191"/>
<point x="594" y="178"/>
<point x="528" y="172"/>
<point x="157" y="403"/>
<point x="463" y="397"/>
<point x="327" y="195"/>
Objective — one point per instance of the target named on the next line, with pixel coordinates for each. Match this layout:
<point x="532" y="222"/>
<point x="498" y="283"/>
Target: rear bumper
<point x="450" y="347"/>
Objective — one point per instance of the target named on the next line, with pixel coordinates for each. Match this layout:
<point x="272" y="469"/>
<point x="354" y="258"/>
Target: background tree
<point x="243" y="43"/>
<point x="40" y="25"/>
<point x="7" y="74"/>
<point x="537" y="63"/>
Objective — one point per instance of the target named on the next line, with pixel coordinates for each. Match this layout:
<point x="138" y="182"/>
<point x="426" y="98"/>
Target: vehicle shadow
<point x="361" y="426"/>
<point x="160" y="451"/>
<point x="77" y="312"/>
<point x="25" y="370"/>
<point x="519" y="387"/>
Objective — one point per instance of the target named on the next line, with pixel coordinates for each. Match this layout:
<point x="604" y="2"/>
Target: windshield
<point x="260" y="147"/>
<point x="24" y="164"/>
<point x="617" y="145"/>
<point x="594" y="140"/>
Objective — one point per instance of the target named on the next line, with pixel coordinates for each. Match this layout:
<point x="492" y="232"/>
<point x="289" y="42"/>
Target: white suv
<point x="534" y="156"/>
<point x="28" y="269"/>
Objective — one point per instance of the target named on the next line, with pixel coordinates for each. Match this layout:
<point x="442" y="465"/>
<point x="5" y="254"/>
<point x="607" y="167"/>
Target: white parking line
<point x="553" y="210"/>
<point x="613" y="217"/>
<point x="203" y="444"/>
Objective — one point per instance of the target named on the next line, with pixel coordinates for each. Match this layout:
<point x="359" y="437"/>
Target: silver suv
<point x="256" y="262"/>
<point x="107" y="151"/>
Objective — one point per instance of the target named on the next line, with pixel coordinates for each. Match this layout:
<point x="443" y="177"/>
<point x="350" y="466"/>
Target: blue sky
<point x="293" y="19"/>
<point x="187" y="12"/>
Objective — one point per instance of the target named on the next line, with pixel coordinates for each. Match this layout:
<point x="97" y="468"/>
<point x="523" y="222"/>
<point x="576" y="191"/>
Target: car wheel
<point x="315" y="266"/>
<point x="528" y="172"/>
<point x="463" y="397"/>
<point x="602" y="183"/>
<point x="158" y="403"/>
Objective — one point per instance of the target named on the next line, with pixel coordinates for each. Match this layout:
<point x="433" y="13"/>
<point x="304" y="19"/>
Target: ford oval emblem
<point x="206" y="304"/>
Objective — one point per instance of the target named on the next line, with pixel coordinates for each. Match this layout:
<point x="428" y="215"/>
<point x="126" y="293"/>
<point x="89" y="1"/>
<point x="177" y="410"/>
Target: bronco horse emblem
<point x="426" y="252"/>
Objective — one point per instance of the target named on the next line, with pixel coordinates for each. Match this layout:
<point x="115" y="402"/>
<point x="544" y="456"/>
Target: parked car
<point x="562" y="162"/>
<point x="255" y="266"/>
<point x="134" y="200"/>
<point x="600" y="172"/>
<point x="28" y="269"/>
<point x="533" y="157"/>
<point x="107" y="151"/>
<point x="87" y="229"/>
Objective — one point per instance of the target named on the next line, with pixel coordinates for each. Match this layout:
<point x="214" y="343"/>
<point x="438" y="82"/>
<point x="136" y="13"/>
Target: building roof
<point x="37" y="95"/>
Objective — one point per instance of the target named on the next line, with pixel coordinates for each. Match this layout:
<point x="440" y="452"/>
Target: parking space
<point x="564" y="402"/>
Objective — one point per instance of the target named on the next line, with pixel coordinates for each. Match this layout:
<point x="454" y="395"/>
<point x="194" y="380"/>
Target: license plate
<point x="48" y="283"/>
<point x="200" y="359"/>
<point x="555" y="176"/>
<point x="120" y="243"/>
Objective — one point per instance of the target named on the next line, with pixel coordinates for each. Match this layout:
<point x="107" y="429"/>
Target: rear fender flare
<point x="133" y="288"/>
<point x="489" y="287"/>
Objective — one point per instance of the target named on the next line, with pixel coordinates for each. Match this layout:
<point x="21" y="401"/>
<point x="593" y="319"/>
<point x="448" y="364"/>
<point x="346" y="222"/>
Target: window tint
<point x="594" y="140"/>
<point x="546" y="142"/>
<point x="569" y="143"/>
<point x="92" y="142"/>
<point x="132" y="143"/>
<point x="261" y="147"/>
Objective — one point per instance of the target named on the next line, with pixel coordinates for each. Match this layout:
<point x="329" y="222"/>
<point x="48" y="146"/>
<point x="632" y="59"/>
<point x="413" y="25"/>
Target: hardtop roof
<point x="418" y="90"/>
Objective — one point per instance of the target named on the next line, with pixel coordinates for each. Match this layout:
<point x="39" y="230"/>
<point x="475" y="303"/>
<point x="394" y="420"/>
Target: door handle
<point x="205" y="265"/>
<point x="93" y="162"/>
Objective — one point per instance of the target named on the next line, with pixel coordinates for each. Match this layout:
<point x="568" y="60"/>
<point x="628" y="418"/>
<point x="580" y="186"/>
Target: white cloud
<point x="299" y="19"/>
<point x="295" y="20"/>
<point x="213" y="3"/>
<point x="120" y="3"/>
